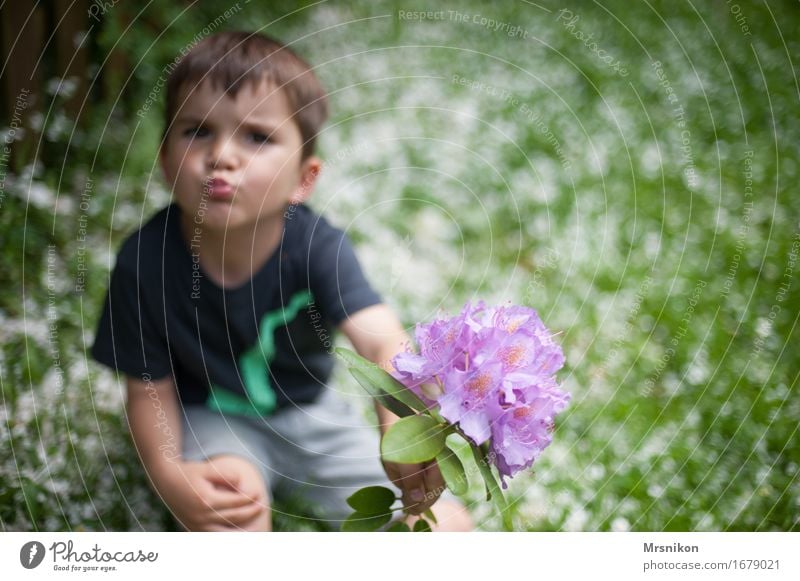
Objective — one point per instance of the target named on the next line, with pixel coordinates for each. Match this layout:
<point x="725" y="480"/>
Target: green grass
<point x="547" y="179"/>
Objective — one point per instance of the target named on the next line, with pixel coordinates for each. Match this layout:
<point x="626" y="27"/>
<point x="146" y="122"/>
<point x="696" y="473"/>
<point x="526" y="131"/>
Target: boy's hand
<point x="206" y="497"/>
<point x="378" y="335"/>
<point x="421" y="484"/>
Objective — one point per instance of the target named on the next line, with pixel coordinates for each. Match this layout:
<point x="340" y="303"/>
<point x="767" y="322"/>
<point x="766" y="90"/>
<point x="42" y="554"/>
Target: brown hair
<point x="232" y="59"/>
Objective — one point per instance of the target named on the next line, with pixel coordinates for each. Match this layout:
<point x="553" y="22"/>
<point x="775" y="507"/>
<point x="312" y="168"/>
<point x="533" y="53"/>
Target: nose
<point x="221" y="154"/>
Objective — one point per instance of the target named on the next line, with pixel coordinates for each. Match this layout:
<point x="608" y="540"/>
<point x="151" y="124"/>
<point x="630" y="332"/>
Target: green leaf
<point x="380" y="379"/>
<point x="351" y="358"/>
<point x="432" y="517"/>
<point x="386" y="401"/>
<point x="436" y="415"/>
<point x="398" y="527"/>
<point x="400" y="392"/>
<point x="493" y="491"/>
<point x="372" y="500"/>
<point x="453" y="471"/>
<point x="360" y="522"/>
<point x="422" y="526"/>
<point x="412" y="440"/>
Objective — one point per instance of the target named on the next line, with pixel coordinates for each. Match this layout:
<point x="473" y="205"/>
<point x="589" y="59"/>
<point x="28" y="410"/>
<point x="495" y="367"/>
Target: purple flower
<point x="469" y="398"/>
<point x="491" y="372"/>
<point x="524" y="429"/>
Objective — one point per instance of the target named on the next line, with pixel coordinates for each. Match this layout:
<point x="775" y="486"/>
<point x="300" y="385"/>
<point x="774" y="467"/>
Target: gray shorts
<point x="318" y="453"/>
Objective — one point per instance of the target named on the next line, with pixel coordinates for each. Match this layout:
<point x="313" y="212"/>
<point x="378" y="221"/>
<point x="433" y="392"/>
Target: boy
<point x="216" y="307"/>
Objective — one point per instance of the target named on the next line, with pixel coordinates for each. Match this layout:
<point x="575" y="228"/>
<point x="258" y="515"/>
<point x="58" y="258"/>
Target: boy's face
<point x="232" y="162"/>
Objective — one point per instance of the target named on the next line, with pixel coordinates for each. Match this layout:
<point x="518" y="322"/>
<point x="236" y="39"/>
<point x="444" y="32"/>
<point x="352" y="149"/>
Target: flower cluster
<point x="491" y="371"/>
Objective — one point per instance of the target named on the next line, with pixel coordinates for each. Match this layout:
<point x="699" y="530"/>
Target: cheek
<point x="184" y="164"/>
<point x="264" y="176"/>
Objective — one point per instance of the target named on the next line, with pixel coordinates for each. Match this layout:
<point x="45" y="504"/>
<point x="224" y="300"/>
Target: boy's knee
<point x="451" y="517"/>
<point x="455" y="518"/>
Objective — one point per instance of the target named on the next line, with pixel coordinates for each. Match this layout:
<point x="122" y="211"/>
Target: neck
<point x="230" y="257"/>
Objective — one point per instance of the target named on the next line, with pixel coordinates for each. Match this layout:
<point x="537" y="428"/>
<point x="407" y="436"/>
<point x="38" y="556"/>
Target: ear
<point x="309" y="171"/>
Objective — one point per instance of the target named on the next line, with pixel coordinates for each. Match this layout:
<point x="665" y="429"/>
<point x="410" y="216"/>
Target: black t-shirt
<point x="249" y="350"/>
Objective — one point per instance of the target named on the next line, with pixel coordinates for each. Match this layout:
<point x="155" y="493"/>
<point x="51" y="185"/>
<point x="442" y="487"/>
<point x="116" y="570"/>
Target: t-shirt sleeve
<point x="127" y="338"/>
<point x="336" y="278"/>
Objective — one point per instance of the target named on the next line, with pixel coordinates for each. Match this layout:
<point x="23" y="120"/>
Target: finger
<point x="223" y="474"/>
<point x="433" y="484"/>
<point x="232" y="487"/>
<point x="236" y="517"/>
<point x="434" y="488"/>
<point x="412" y="478"/>
<point x="434" y="481"/>
<point x="391" y="471"/>
<point x="221" y="499"/>
<point x="412" y="483"/>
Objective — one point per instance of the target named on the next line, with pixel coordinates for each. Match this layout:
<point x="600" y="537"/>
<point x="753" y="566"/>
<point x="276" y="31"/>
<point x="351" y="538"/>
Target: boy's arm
<point x="198" y="494"/>
<point x="154" y="423"/>
<point x="377" y="335"/>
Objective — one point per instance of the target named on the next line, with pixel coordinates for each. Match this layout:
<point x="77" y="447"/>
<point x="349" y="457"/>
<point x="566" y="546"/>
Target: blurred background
<point x="625" y="168"/>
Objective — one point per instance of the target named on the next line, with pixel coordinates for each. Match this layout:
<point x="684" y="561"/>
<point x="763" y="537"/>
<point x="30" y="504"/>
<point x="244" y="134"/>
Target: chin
<point x="214" y="215"/>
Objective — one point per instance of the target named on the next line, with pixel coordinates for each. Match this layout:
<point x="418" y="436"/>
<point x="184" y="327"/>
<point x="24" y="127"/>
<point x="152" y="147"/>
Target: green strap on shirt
<point x="254" y="365"/>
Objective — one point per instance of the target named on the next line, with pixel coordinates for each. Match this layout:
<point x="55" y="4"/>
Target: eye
<point x="195" y="132"/>
<point x="258" y="137"/>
